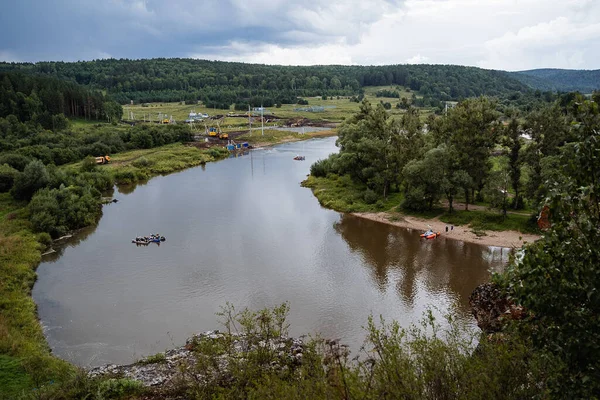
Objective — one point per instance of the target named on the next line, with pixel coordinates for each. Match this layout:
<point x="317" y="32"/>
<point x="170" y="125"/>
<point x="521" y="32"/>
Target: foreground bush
<point x="422" y="362"/>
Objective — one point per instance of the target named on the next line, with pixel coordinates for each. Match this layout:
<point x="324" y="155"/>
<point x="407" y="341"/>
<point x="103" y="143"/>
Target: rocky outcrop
<point x="178" y="364"/>
<point x="491" y="308"/>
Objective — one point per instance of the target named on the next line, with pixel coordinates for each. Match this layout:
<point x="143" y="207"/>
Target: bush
<point x="17" y="161"/>
<point x="370" y="197"/>
<point x="88" y="164"/>
<point x="44" y="239"/>
<point x="322" y="168"/>
<point x="34" y="177"/>
<point x="58" y="211"/>
<point x="7" y="177"/>
<point x="142" y="162"/>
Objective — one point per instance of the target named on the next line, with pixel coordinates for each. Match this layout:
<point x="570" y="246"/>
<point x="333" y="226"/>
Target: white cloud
<point x="499" y="34"/>
<point x="418" y="59"/>
<point x="561" y="42"/>
<point x="273" y="54"/>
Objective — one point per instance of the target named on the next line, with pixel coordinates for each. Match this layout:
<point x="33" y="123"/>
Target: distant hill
<point x="560" y="80"/>
<point x="223" y="83"/>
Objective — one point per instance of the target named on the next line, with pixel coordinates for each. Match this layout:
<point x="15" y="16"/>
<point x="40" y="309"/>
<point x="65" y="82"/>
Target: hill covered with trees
<point x="221" y="84"/>
<point x="560" y="80"/>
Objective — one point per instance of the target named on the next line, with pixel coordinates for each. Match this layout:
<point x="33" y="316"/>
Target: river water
<point x="244" y="231"/>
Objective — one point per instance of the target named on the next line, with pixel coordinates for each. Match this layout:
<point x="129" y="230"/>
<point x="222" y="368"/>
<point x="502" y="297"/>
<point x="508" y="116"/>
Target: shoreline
<point x="507" y="239"/>
<point x="290" y="139"/>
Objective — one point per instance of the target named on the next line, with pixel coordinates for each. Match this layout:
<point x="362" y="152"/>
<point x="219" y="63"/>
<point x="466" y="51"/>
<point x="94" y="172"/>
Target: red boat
<point x="430" y="234"/>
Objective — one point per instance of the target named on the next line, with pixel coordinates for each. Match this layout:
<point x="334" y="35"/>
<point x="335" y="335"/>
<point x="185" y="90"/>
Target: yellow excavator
<point x="103" y="160"/>
<point x="222" y="135"/>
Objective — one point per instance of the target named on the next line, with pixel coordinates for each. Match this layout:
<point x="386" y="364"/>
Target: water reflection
<point x="59" y="246"/>
<point x="441" y="264"/>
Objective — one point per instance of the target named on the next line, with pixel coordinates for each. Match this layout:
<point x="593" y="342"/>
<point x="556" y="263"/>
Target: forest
<point x="220" y="84"/>
<point x="560" y="80"/>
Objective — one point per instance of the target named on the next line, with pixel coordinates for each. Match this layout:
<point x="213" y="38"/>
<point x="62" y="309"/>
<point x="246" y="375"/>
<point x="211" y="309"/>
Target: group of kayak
<point x="154" y="238"/>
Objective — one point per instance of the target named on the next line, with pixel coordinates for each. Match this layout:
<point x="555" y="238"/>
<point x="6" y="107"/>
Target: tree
<point x="425" y="182"/>
<point x="549" y="131"/>
<point x="34" y="177"/>
<point x="471" y="129"/>
<point x="496" y="187"/>
<point x="512" y="139"/>
<point x="557" y="278"/>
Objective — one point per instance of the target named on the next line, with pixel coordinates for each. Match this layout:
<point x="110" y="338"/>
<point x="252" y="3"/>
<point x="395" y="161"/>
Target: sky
<point x="496" y="34"/>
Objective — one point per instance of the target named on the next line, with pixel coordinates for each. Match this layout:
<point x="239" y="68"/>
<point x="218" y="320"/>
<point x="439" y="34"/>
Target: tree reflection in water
<point x="400" y="257"/>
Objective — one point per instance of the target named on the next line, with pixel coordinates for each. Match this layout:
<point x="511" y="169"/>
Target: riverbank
<point x="478" y="225"/>
<point x="273" y="137"/>
<point x="508" y="238"/>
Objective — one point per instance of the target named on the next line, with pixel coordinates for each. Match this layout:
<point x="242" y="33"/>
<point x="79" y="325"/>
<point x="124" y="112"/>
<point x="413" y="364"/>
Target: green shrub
<point x="88" y="164"/>
<point x="34" y="177"/>
<point x="370" y="197"/>
<point x="8" y="175"/>
<point x="142" y="162"/>
<point x="45" y="239"/>
<point x="157" y="358"/>
<point x="322" y="168"/>
<point x="118" y="389"/>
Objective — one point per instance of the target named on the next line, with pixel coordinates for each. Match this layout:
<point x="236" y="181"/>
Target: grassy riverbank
<point x="273" y="137"/>
<point x="340" y="193"/>
<point x="26" y="362"/>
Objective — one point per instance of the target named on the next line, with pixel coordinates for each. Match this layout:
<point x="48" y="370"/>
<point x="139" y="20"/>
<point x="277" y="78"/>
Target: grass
<point x="25" y="360"/>
<point x="340" y="193"/>
<point x="139" y="165"/>
<point x="14" y="381"/>
<point x="273" y="136"/>
<point x="490" y="221"/>
<point x="336" y="110"/>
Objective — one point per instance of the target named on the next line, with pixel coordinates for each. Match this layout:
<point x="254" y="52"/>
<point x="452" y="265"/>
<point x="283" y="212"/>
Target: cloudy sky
<point x="498" y="34"/>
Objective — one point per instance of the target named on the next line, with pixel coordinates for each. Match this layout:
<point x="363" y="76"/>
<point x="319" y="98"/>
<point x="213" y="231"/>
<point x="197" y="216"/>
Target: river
<point x="244" y="231"/>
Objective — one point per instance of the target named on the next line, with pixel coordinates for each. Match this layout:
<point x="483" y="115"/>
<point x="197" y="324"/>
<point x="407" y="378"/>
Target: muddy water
<point x="242" y="230"/>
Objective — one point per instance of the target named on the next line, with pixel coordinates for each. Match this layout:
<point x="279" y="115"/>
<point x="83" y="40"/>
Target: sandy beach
<point x="509" y="239"/>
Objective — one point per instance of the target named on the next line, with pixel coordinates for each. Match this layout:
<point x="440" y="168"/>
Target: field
<point x="336" y="109"/>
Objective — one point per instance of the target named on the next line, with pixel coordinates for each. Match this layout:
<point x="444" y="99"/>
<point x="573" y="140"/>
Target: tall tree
<point x="512" y="140"/>
<point x="472" y="129"/>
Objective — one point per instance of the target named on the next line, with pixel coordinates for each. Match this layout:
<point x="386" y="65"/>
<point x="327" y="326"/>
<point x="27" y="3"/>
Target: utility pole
<point x="262" y="119"/>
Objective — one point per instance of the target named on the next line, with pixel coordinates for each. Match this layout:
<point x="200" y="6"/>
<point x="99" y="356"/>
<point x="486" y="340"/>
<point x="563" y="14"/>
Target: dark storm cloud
<point x="70" y="30"/>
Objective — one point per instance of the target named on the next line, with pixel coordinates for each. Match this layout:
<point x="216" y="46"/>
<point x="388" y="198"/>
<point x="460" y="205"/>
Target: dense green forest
<point x="221" y="84"/>
<point x="560" y="80"/>
<point x="47" y="101"/>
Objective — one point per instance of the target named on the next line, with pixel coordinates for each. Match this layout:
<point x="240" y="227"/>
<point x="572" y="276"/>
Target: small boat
<point x="299" y="158"/>
<point x="155" y="238"/>
<point x="430" y="234"/>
